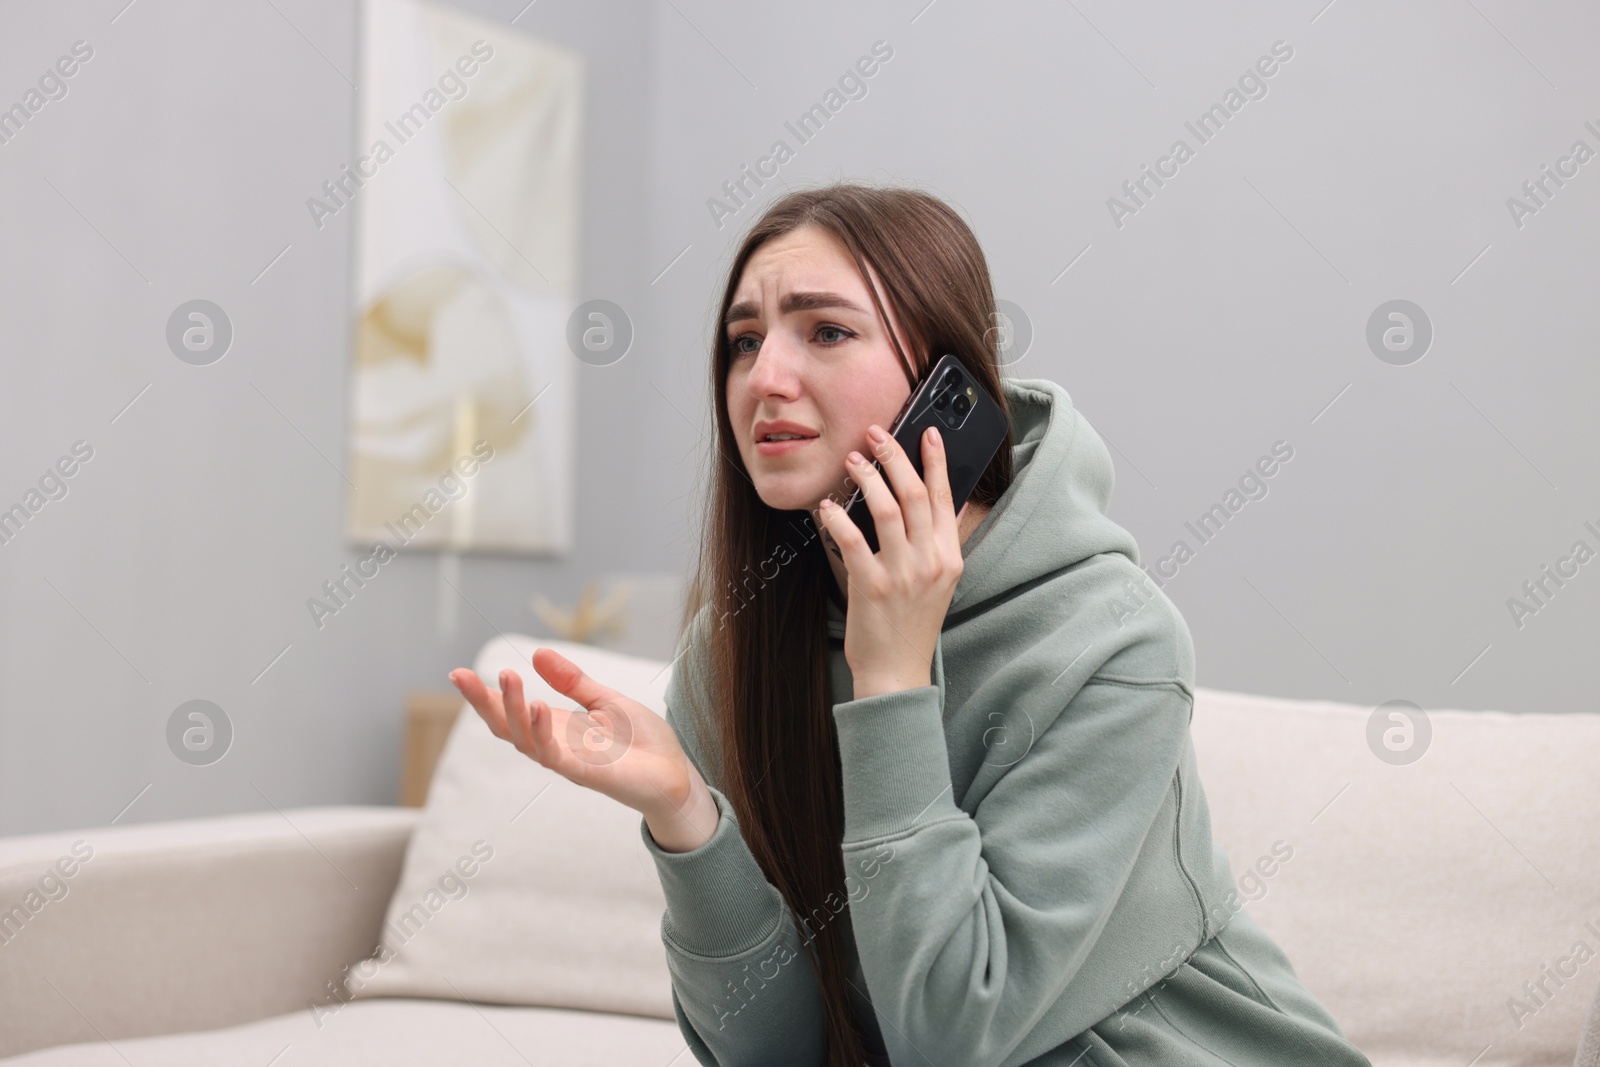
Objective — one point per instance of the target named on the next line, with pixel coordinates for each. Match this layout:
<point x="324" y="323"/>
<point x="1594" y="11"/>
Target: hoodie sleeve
<point x="744" y="989"/>
<point x="981" y="923"/>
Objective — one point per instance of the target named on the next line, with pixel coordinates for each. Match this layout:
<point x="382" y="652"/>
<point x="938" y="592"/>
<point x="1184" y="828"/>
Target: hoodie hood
<point x="1054" y="513"/>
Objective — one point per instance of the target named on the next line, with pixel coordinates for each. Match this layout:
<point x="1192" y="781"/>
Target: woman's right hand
<point x="617" y="747"/>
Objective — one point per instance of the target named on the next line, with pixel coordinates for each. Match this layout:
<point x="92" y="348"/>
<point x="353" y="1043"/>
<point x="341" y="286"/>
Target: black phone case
<point x="970" y="442"/>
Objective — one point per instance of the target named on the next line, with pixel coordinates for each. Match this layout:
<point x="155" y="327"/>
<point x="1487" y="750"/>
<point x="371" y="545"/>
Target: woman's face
<point x="809" y="357"/>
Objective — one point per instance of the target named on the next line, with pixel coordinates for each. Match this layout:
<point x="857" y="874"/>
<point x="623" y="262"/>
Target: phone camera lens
<point x="961" y="406"/>
<point x="941" y="400"/>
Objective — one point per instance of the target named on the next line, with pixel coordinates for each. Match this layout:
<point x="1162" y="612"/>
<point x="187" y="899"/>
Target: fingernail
<point x="933" y="435"/>
<point x="877" y="434"/>
<point x="826" y="504"/>
<point x="857" y="458"/>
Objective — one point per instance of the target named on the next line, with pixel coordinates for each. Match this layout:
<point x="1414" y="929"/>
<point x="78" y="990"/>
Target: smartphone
<point x="970" y="422"/>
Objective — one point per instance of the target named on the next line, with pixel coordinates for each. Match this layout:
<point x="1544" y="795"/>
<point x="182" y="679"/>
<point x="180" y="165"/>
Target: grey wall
<point x="178" y="565"/>
<point x="1230" y="310"/>
<point x="1224" y="316"/>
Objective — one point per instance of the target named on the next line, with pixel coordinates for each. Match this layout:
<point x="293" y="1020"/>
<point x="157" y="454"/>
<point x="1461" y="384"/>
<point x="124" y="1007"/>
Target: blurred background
<point x="1372" y="261"/>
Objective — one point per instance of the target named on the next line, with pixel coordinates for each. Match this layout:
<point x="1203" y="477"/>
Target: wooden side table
<point x="430" y="714"/>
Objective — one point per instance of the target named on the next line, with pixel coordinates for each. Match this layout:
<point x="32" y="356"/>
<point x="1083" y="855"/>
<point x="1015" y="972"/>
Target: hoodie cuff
<point x="896" y="767"/>
<point x="719" y="902"/>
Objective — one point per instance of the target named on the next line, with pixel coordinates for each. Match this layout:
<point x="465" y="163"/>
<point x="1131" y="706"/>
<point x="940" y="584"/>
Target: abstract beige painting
<point x="464" y="184"/>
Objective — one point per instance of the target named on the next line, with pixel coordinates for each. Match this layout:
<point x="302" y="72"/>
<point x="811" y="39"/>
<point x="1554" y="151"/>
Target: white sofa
<point x="219" y="933"/>
<point x="1421" y="902"/>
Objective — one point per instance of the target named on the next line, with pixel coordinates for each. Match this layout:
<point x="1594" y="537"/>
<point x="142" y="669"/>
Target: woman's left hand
<point x="898" y="595"/>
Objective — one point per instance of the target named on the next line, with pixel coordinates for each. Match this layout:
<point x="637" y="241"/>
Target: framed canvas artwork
<point x="464" y="182"/>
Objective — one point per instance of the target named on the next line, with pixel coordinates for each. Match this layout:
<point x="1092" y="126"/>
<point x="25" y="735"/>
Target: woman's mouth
<point x="781" y="444"/>
<point x="780" y="437"/>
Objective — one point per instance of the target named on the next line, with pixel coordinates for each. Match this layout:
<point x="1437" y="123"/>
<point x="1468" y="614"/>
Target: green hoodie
<point x="1030" y="872"/>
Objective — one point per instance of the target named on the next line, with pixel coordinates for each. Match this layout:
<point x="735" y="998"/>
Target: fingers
<point x="886" y="515"/>
<point x="484" y="702"/>
<point x="566" y="678"/>
<point x="936" y="474"/>
<point x="853" y="547"/>
<point x="532" y="726"/>
<point x="587" y="740"/>
<point x="908" y="484"/>
<point x="519" y="717"/>
<point x="509" y="715"/>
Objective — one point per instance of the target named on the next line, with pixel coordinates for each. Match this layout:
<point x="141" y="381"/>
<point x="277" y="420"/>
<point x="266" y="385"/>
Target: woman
<point x="935" y="804"/>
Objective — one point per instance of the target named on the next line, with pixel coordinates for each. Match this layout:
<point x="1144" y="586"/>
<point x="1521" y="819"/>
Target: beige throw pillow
<point x="518" y="886"/>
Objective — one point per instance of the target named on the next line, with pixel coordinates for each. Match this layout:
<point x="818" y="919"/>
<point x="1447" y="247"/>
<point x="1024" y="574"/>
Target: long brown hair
<point x="765" y="579"/>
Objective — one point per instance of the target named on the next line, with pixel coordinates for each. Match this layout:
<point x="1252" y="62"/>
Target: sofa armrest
<point x="171" y="927"/>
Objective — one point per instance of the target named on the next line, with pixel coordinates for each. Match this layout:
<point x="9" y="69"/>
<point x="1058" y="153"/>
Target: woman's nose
<point x="774" y="372"/>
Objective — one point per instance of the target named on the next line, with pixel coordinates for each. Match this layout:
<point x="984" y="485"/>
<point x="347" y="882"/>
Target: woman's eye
<point x="830" y="335"/>
<point x="746" y="345"/>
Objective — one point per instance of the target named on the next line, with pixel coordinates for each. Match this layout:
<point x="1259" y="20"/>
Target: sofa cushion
<point x="1417" y="899"/>
<point x="395" y="1033"/>
<point x="520" y="887"/>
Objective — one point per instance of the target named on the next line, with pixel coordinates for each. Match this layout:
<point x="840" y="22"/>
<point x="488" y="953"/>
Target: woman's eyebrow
<point x="796" y="301"/>
<point x="799" y="301"/>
